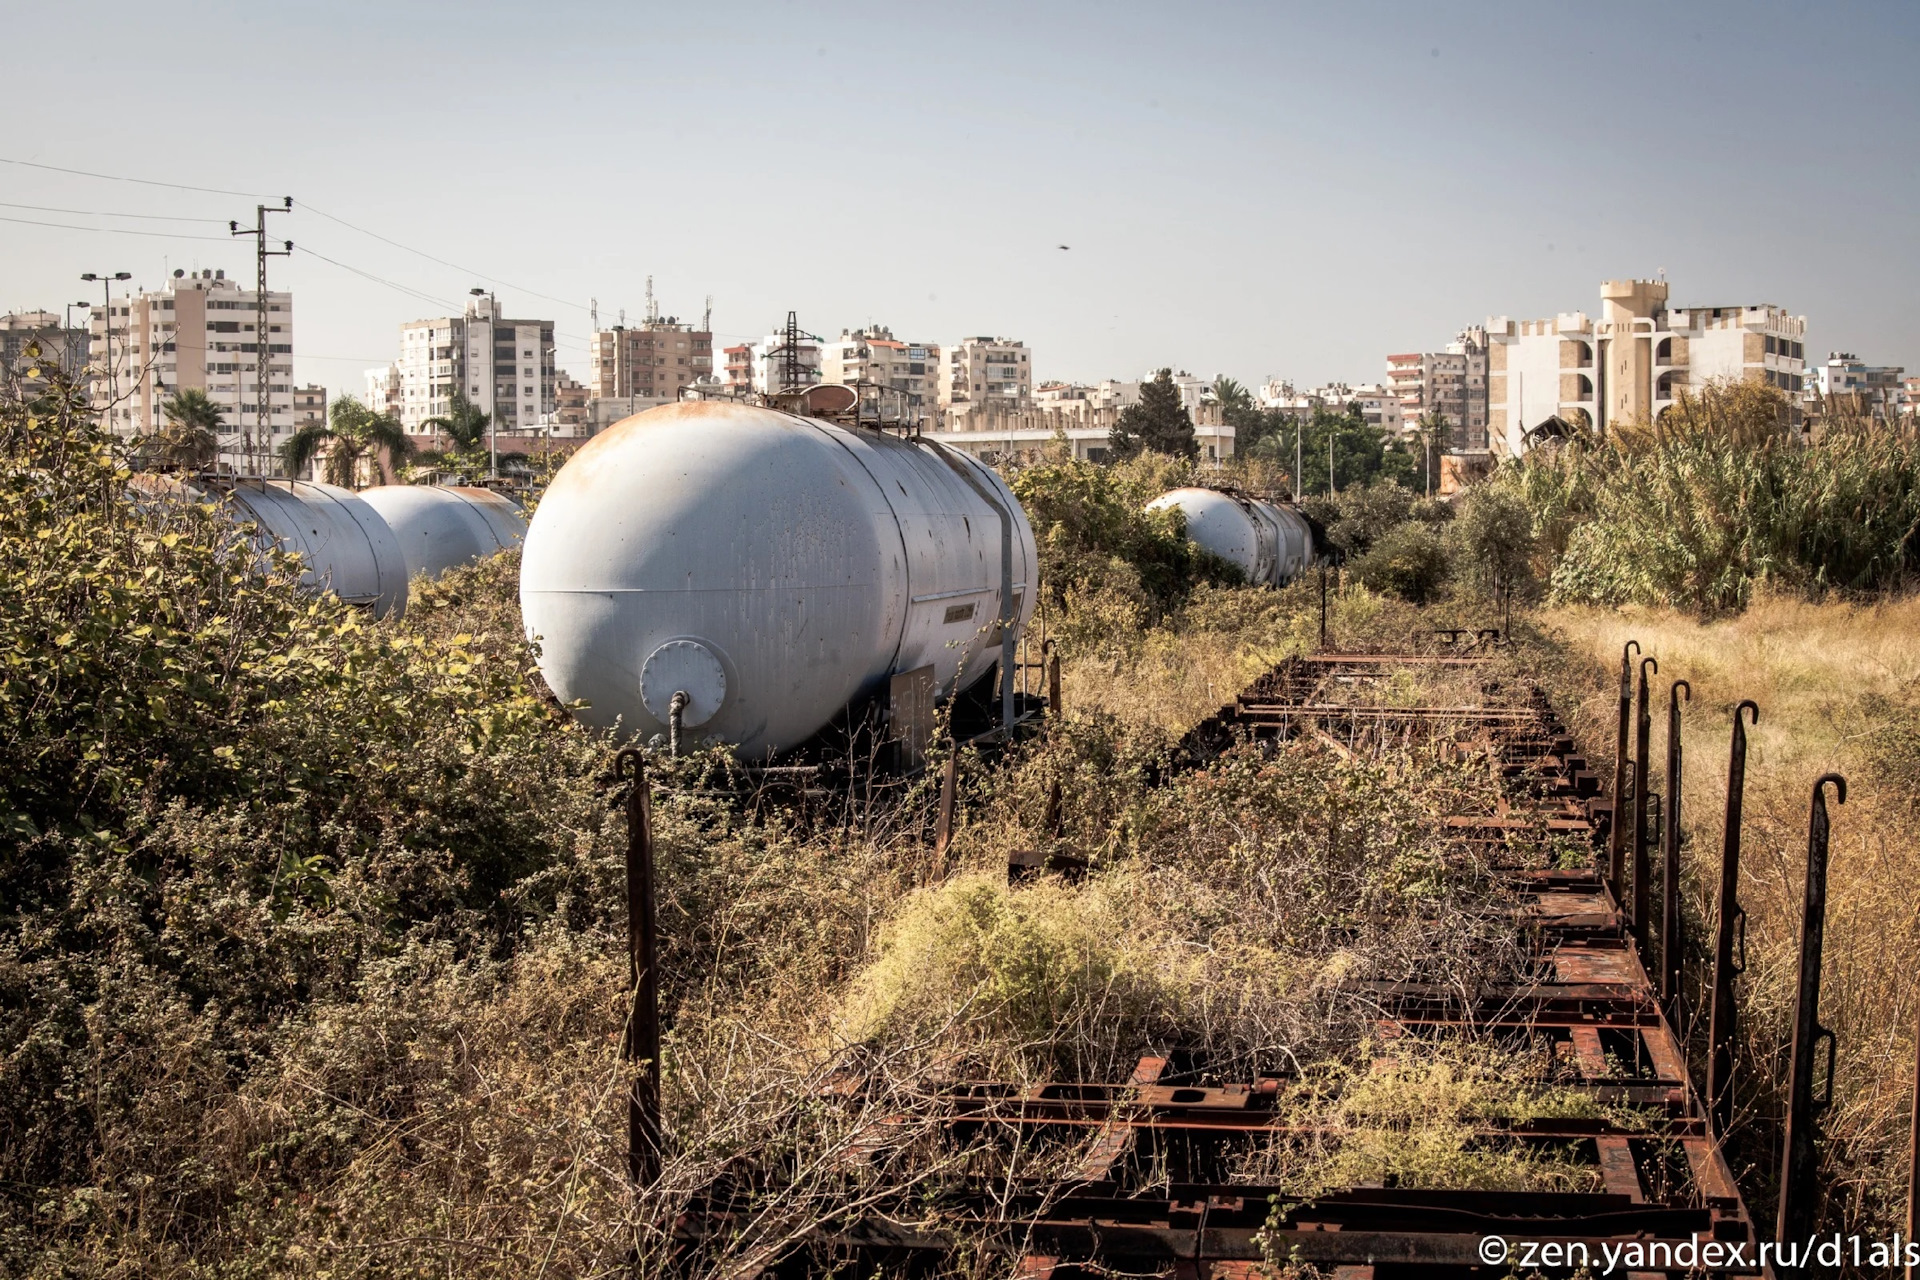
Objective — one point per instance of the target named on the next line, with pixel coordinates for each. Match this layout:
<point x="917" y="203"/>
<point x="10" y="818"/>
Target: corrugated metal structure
<point x="775" y="568"/>
<point x="1271" y="544"/>
<point x="440" y="527"/>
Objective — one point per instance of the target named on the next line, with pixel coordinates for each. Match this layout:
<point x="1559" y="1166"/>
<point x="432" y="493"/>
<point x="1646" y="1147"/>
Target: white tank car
<point x="343" y="544"/>
<point x="1271" y="544"/>
<point x="775" y="568"/>
<point x="440" y="527"/>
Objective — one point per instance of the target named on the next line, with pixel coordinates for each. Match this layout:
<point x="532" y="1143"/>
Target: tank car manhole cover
<point x="683" y="666"/>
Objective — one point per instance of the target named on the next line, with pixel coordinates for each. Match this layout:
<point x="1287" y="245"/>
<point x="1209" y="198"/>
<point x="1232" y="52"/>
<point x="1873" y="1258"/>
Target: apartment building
<point x="309" y="406"/>
<point x="1084" y="397"/>
<point x="1631" y="363"/>
<point x="1846" y="381"/>
<point x="383" y="390"/>
<point x="987" y="372"/>
<point x="66" y="347"/>
<point x="502" y="366"/>
<point x="658" y="358"/>
<point x="199" y="333"/>
<point x="1451" y="382"/>
<point x="739" y="369"/>
<point x="874" y="356"/>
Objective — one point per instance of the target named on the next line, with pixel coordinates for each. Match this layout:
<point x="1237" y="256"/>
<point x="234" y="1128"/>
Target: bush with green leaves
<point x="1409" y="561"/>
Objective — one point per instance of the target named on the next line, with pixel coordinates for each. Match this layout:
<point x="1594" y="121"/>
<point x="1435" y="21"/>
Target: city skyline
<point x="1292" y="193"/>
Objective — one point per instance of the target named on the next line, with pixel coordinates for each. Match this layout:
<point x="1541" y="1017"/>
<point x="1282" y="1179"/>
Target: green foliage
<point x="1100" y="548"/>
<point x="225" y="798"/>
<point x="190" y="440"/>
<point x="1409" y="561"/>
<point x="353" y="433"/>
<point x="1717" y="499"/>
<point x="1358" y="517"/>
<point x="1160" y="423"/>
<point x="1492" y="536"/>
<point x="1362" y="453"/>
<point x="466" y="428"/>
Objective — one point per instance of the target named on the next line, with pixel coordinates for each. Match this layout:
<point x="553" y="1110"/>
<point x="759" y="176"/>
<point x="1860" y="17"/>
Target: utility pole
<point x="263" y="411"/>
<point x="106" y="281"/>
<point x="1298" y="459"/>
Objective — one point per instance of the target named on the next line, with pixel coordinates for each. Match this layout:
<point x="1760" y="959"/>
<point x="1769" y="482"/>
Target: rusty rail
<point x="1147" y="1192"/>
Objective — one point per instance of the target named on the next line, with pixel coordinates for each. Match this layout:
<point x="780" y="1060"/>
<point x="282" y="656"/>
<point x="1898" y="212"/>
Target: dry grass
<point x="1834" y="682"/>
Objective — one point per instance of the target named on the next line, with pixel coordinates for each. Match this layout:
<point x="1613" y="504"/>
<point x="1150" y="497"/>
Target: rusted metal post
<point x="1670" y="940"/>
<point x="1052" y="660"/>
<point x="949" y="782"/>
<point x="676" y="716"/>
<point x="1323" y="607"/>
<point x="1801" y="1163"/>
<point x="1617" y="829"/>
<point x="1642" y="738"/>
<point x="642" y="1041"/>
<point x="1723" y="1017"/>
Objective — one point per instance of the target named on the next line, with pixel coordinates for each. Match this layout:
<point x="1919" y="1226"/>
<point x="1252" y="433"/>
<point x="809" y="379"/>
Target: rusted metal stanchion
<point x="1617" y="829"/>
<point x="949" y="782"/>
<point x="1724" y="1015"/>
<point x="1670" y="949"/>
<point x="1052" y="659"/>
<point x="1323" y="606"/>
<point x="1642" y="737"/>
<point x="1801" y="1163"/>
<point x="642" y="1040"/>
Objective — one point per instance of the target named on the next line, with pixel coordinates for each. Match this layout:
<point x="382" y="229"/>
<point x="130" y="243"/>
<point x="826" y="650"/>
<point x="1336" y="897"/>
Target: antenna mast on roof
<point x="653" y="310"/>
<point x="593" y="311"/>
<point x="706" y="321"/>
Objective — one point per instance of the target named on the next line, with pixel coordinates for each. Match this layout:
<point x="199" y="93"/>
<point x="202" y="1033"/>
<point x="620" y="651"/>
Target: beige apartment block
<point x="1452" y="382"/>
<point x="198" y="333"/>
<point x="995" y="372"/>
<point x="503" y="367"/>
<point x="874" y="357"/>
<point x="309" y="406"/>
<point x="1632" y="363"/>
<point x="658" y="358"/>
<point x="45" y="331"/>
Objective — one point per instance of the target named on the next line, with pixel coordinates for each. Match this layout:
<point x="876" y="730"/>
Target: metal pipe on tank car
<point x="1670" y="948"/>
<point x="1617" y="829"/>
<point x="1642" y="736"/>
<point x="1724" y="1014"/>
<point x="642" y="1041"/>
<point x="1800" y="1163"/>
<point x="676" y="713"/>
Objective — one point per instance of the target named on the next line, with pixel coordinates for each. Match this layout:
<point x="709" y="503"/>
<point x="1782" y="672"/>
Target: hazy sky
<point x="1249" y="189"/>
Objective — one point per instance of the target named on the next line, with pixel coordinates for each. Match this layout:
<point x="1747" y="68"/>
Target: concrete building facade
<point x="309" y="406"/>
<point x="1452" y="382"/>
<point x="656" y="359"/>
<point x="1847" y="382"/>
<point x="197" y="334"/>
<point x="992" y="372"/>
<point x="1008" y="435"/>
<point x="874" y="356"/>
<point x="66" y="347"/>
<point x="1633" y="362"/>
<point x="502" y="366"/>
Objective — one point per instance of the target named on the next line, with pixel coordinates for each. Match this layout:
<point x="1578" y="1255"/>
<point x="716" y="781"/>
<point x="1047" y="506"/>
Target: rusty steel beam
<point x="1723" y="1014"/>
<point x="1800" y="1162"/>
<point x="1670" y="940"/>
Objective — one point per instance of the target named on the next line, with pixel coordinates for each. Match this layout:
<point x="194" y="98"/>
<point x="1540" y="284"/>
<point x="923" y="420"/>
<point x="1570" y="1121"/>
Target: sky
<point x="1249" y="189"/>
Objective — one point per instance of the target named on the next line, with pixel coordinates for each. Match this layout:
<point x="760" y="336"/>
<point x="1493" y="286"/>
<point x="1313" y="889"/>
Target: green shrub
<point x="1409" y="561"/>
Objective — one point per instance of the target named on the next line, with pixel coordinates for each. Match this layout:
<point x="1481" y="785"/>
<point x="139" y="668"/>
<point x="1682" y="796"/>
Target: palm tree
<point x="1229" y="394"/>
<point x="191" y="438"/>
<point x="352" y="432"/>
<point x="466" y="426"/>
<point x="1434" y="431"/>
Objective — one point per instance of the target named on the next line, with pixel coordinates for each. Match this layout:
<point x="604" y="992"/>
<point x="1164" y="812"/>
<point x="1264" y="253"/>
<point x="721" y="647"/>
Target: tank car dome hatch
<point x="1270" y="544"/>
<point x="774" y="568"/>
<point x="440" y="527"/>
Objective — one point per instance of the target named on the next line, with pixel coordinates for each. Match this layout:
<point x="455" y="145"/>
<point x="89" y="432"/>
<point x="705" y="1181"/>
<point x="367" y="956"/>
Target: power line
<point x="109" y="231"/>
<point x="381" y="280"/>
<point x="145" y="182"/>
<point x="105" y="213"/>
<point x="505" y="284"/>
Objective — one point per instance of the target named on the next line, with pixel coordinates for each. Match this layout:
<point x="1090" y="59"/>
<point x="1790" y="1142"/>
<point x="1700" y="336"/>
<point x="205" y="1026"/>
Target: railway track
<point x="1147" y="1188"/>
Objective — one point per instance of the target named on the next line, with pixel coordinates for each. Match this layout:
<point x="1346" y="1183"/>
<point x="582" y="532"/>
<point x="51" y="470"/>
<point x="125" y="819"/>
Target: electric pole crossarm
<point x="262" y="347"/>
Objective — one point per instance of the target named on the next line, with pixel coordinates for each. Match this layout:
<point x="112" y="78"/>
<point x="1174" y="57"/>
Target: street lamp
<point x="106" y="282"/>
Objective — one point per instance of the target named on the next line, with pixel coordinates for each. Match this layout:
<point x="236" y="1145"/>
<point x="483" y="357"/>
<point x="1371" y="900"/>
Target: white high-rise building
<point x="503" y="367"/>
<point x="993" y="373"/>
<point x="199" y="333"/>
<point x="874" y="356"/>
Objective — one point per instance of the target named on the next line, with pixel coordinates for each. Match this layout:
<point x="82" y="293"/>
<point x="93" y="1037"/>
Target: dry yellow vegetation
<point x="1836" y="684"/>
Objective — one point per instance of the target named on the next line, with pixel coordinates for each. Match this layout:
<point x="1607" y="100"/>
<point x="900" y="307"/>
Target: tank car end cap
<point x="684" y="666"/>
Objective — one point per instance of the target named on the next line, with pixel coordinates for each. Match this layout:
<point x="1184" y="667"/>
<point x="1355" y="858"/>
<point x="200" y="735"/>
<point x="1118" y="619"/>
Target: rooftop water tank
<point x="442" y="526"/>
<point x="775" y="568"/>
<point x="1271" y="544"/>
<point x="344" y="545"/>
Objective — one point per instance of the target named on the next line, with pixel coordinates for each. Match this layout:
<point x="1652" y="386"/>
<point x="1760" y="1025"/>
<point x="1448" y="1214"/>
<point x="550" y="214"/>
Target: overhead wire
<point x="109" y="231"/>
<point x="147" y="182"/>
<point x="107" y="213"/>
